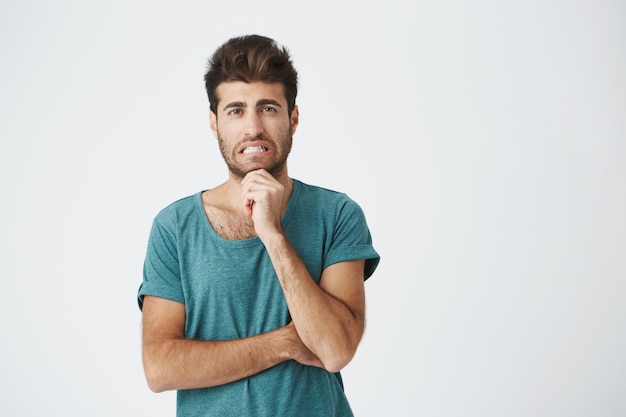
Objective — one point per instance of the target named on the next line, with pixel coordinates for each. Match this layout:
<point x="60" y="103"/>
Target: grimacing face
<point x="253" y="127"/>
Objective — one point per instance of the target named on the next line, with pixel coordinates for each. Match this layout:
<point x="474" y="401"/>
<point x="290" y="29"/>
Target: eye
<point x="266" y="109"/>
<point x="234" y="112"/>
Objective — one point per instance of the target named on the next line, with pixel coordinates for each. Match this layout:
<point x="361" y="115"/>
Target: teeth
<point x="252" y="149"/>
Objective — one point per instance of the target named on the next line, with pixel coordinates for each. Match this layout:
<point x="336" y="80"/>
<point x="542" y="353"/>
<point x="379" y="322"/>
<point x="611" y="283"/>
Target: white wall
<point x="485" y="141"/>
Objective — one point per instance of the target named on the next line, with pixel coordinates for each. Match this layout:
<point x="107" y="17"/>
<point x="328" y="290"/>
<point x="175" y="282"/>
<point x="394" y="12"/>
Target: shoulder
<point x="179" y="209"/>
<point x="326" y="199"/>
<point x="321" y="194"/>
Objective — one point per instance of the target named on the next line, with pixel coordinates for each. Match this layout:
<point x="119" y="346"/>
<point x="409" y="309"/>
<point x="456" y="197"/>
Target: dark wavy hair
<point x="251" y="58"/>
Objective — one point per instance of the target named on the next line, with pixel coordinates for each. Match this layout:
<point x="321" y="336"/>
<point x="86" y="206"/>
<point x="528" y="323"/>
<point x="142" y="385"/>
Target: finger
<point x="248" y="202"/>
<point x="259" y="176"/>
<point x="254" y="189"/>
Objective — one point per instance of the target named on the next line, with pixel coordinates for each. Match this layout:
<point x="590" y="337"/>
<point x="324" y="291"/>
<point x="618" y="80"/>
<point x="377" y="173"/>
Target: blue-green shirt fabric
<point x="230" y="290"/>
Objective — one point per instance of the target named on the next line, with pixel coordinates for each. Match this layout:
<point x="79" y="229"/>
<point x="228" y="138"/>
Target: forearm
<point x="325" y="324"/>
<point x="178" y="363"/>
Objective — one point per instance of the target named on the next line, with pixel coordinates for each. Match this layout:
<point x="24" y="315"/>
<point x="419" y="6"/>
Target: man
<point x="253" y="291"/>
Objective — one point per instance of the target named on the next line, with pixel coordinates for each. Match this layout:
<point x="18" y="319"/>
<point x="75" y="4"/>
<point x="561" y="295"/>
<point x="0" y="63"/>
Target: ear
<point x="295" y="118"/>
<point x="213" y="122"/>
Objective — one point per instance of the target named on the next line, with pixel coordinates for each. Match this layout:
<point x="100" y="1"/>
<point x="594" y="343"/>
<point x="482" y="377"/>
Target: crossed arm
<point x="328" y="322"/>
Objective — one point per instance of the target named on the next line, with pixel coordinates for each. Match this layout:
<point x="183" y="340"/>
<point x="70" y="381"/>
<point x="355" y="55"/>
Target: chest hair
<point x="230" y="225"/>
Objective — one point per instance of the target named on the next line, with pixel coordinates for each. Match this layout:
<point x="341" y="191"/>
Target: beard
<point x="281" y="148"/>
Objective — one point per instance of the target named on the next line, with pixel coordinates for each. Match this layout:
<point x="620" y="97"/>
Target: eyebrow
<point x="234" y="104"/>
<point x="262" y="102"/>
<point x="265" y="101"/>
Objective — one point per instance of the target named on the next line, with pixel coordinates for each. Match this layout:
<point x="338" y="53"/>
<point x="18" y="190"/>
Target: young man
<point x="253" y="291"/>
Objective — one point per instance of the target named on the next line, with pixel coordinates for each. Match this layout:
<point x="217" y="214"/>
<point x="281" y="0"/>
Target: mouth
<point x="254" y="149"/>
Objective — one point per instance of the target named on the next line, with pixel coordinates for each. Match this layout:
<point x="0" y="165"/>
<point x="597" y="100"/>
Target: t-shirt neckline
<point x="291" y="204"/>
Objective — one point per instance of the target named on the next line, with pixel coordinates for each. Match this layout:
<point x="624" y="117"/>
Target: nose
<point x="253" y="124"/>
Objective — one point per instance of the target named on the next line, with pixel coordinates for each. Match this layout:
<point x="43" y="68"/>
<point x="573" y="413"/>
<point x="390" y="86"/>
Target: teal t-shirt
<point x="230" y="291"/>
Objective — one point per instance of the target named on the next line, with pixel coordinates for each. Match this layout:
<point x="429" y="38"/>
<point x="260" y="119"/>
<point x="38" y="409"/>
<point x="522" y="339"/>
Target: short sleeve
<point x="351" y="238"/>
<point x="161" y="270"/>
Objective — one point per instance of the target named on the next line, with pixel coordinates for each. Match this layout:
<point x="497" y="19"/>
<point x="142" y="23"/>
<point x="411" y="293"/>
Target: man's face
<point x="253" y="126"/>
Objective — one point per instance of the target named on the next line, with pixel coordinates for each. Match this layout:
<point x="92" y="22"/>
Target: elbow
<point x="156" y="377"/>
<point x="334" y="367"/>
<point x="156" y="386"/>
<point x="337" y="354"/>
<point x="335" y="361"/>
<point x="155" y="381"/>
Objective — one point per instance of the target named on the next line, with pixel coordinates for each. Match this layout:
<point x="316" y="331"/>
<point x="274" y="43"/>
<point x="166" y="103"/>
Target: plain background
<point x="485" y="141"/>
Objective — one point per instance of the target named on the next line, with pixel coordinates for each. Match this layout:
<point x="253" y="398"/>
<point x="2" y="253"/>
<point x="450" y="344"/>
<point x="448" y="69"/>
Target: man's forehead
<point x="250" y="93"/>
